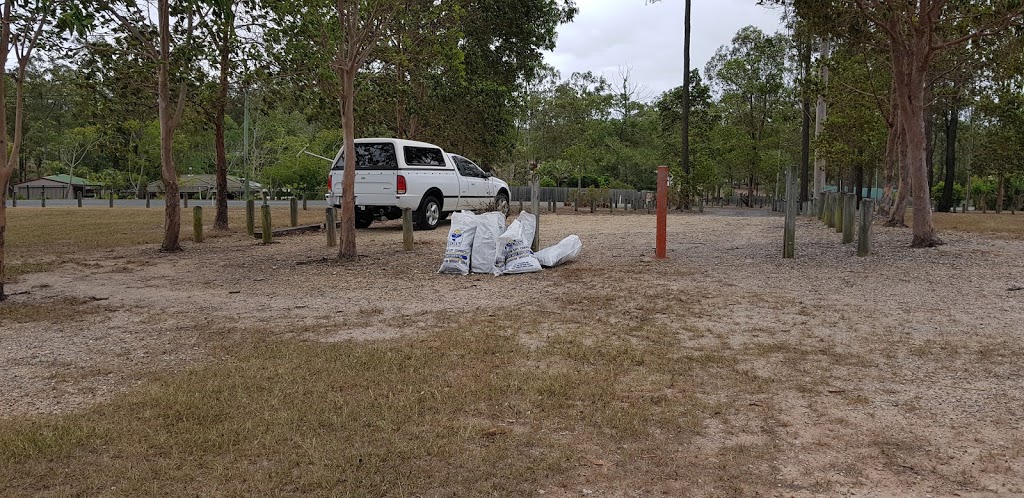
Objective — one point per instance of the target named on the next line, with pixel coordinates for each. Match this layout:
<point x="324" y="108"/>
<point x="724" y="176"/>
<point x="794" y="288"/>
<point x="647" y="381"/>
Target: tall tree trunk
<point x="686" y="91"/>
<point x="929" y="150"/>
<point x="889" y="175"/>
<point x="910" y="69"/>
<point x="859" y="182"/>
<point x="5" y="159"/>
<point x="821" y="114"/>
<point x="5" y="178"/>
<point x="898" y="216"/>
<point x="172" y="212"/>
<point x="805" y="128"/>
<point x="1000" y="192"/>
<point x="952" y="123"/>
<point x="10" y="150"/>
<point x="347" y="247"/>
<point x="221" y="220"/>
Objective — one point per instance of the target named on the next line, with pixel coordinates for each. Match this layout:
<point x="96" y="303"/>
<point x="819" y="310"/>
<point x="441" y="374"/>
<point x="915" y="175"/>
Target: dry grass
<point x="465" y="411"/>
<point x="57" y="232"/>
<point x="70" y="310"/>
<point x="626" y="377"/>
<point x="1003" y="225"/>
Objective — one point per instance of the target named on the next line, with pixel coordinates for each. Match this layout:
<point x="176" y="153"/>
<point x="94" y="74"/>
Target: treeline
<point x="452" y="73"/>
<point x="91" y="112"/>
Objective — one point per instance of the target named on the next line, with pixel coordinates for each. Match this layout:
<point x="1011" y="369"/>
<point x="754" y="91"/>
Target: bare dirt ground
<point x="896" y="374"/>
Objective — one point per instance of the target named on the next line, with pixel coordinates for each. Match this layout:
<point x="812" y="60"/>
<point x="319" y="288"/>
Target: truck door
<point x="472" y="188"/>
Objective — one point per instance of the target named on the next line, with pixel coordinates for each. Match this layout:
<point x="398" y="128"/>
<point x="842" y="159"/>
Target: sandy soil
<point x="894" y="374"/>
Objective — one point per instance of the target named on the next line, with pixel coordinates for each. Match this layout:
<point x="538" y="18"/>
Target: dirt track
<point x="894" y="374"/>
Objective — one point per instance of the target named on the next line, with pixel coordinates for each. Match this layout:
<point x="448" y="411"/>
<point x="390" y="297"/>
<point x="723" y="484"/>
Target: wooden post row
<point x="331" y="227"/>
<point x="407" y="240"/>
<point x="849" y="217"/>
<point x="789" y="236"/>
<point x="867" y="208"/>
<point x="197" y="224"/>
<point x="250" y="216"/>
<point x="268" y="231"/>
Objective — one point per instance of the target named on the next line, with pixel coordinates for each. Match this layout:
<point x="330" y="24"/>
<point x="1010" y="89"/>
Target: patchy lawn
<point x="235" y="368"/>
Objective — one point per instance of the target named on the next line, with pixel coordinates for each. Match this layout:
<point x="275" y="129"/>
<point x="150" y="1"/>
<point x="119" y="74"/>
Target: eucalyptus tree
<point x="168" y="45"/>
<point x="221" y="32"/>
<point x="917" y="32"/>
<point x="750" y="74"/>
<point x="25" y="26"/>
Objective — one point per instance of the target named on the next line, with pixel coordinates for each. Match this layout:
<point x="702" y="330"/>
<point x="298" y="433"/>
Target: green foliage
<point x="958" y="192"/>
<point x="751" y="76"/>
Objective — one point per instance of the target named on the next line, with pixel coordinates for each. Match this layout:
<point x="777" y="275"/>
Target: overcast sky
<point x="611" y="34"/>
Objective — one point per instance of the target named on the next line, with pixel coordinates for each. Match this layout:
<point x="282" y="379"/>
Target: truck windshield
<point x="371" y="156"/>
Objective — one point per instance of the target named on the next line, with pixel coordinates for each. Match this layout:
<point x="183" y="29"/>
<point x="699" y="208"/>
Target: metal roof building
<point x="57" y="187"/>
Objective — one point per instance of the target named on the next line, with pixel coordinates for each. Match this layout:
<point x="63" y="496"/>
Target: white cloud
<point x="611" y="34"/>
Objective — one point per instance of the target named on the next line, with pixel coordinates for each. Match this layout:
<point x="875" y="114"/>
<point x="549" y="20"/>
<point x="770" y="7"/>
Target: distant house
<point x="204" y="186"/>
<point x="57" y="187"/>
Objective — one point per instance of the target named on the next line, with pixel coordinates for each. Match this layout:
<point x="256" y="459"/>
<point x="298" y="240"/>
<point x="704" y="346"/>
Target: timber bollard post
<point x="864" y="234"/>
<point x="293" y="211"/>
<point x="304" y="208"/>
<point x="331" y="227"/>
<point x="535" y="200"/>
<point x="407" y="240"/>
<point x="789" y="235"/>
<point x="150" y="196"/>
<point x="110" y="197"/>
<point x="849" y="216"/>
<point x="839" y="212"/>
<point x="268" y="232"/>
<point x="661" y="237"/>
<point x="184" y="200"/>
<point x="250" y="216"/>
<point x="830" y="215"/>
<point x="197" y="224"/>
<point x="42" y="200"/>
<point x="78" y="197"/>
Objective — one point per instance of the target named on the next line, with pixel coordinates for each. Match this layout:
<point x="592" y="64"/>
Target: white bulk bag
<point x="460" y="244"/>
<point x="529" y="222"/>
<point x="563" y="252"/>
<point x="489" y="227"/>
<point x="514" y="253"/>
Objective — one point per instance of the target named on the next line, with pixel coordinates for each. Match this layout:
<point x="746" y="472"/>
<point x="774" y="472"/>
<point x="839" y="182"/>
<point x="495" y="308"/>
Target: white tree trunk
<point x="821" y="114"/>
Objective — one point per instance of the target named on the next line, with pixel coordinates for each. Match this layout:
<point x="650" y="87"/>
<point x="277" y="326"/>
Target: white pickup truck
<point x="393" y="174"/>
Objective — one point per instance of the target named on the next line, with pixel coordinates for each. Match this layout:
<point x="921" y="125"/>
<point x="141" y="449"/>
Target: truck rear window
<point x="424" y="156"/>
<point x="372" y="156"/>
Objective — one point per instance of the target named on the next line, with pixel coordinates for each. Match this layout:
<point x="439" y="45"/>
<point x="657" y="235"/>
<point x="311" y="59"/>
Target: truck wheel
<point x="429" y="214"/>
<point x="363" y="221"/>
<point x="501" y="203"/>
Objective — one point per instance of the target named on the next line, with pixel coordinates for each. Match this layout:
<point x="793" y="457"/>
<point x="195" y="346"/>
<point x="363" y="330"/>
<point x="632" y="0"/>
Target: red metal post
<point x="660" y="251"/>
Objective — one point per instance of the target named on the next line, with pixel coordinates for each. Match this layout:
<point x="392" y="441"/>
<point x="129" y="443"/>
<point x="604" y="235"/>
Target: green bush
<point x="616" y="184"/>
<point x="547" y="182"/>
<point x="958" y="192"/>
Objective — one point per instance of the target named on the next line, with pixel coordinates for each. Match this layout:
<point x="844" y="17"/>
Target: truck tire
<point x="501" y="203"/>
<point x="363" y="221"/>
<point x="428" y="216"/>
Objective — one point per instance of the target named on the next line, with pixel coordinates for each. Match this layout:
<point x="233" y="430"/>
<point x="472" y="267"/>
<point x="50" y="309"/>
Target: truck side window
<point x="465" y="167"/>
<point x="424" y="156"/>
